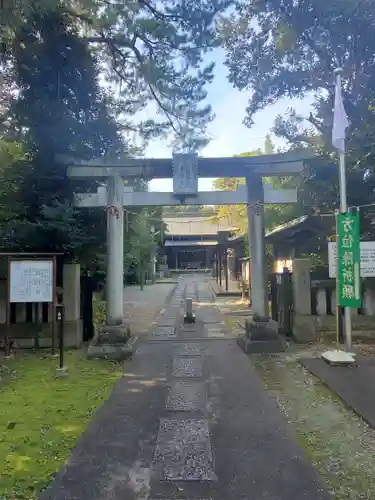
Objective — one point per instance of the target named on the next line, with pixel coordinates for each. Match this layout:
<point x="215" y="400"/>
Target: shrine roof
<point x="195" y="225"/>
<point x="188" y="243"/>
<point x="291" y="229"/>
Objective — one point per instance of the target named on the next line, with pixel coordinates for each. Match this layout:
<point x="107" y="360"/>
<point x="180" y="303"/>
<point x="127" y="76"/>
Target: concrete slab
<point x="336" y="357"/>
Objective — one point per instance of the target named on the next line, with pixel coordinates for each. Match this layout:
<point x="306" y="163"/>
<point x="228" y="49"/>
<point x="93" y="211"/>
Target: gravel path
<point x="337" y="441"/>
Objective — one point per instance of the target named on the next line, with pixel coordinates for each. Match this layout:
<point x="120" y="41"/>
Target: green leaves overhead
<point x="59" y="109"/>
<point x="286" y="48"/>
<point x="152" y="55"/>
<point x="289" y="49"/>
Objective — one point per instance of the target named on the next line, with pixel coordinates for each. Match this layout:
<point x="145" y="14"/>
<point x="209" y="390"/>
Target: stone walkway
<point x="188" y="421"/>
<point x="142" y="306"/>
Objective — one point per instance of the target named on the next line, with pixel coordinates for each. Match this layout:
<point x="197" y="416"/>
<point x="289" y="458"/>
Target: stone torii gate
<point x="185" y="170"/>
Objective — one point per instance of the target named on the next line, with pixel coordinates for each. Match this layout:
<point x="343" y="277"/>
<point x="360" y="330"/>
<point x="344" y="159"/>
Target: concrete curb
<point x="223" y="293"/>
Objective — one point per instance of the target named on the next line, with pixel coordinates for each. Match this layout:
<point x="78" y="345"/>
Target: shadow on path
<point x="190" y="422"/>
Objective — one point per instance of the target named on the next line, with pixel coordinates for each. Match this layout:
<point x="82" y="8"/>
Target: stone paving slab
<point x="183" y="451"/>
<point x="164" y="331"/>
<point x="187" y="367"/>
<point x="189" y="349"/>
<point x="186" y="396"/>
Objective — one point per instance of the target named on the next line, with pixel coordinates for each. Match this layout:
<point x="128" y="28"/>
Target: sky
<point x="229" y="134"/>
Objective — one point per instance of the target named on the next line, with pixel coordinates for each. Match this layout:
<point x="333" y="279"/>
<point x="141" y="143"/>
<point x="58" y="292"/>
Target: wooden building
<point x="191" y="240"/>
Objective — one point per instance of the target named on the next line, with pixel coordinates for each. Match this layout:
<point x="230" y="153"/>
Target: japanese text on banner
<point x="348" y="261"/>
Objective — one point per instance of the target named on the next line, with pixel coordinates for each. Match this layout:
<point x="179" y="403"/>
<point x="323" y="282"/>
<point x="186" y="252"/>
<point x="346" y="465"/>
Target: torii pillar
<point x="184" y="170"/>
<point x="257" y="247"/>
<point x="111" y="339"/>
<point x="115" y="251"/>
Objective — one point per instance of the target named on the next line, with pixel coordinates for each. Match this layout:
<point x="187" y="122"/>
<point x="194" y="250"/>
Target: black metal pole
<point x="220" y="267"/>
<point x="60" y="322"/>
<point x="226" y="269"/>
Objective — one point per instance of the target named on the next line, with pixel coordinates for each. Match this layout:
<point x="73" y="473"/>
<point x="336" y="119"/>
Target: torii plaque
<point x="185" y="174"/>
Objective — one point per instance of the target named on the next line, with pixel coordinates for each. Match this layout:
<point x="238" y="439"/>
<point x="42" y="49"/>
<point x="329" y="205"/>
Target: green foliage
<point x="290" y="49"/>
<point x="143" y="245"/>
<point x="60" y="110"/>
<point x="236" y="215"/>
<point x="155" y="55"/>
<point x="99" y="311"/>
<point x="151" y="56"/>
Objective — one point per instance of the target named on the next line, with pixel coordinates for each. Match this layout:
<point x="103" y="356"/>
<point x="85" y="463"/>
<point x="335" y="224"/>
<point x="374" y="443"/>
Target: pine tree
<point x="60" y="110"/>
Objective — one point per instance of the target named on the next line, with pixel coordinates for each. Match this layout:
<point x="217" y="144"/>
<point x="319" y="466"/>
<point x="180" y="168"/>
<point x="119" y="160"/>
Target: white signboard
<point x="367" y="259"/>
<point x="185" y="174"/>
<point x="31" y="281"/>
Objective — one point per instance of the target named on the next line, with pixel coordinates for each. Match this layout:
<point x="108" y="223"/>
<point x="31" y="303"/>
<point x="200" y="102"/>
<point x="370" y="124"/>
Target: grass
<point x="42" y="417"/>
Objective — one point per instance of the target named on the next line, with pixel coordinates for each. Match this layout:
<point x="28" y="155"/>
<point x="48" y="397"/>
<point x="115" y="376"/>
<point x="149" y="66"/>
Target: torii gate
<point x="185" y="170"/>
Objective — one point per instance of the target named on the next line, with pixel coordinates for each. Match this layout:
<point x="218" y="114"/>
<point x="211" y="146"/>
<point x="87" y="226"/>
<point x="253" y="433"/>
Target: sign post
<point x="61" y="371"/>
<point x="340" y="124"/>
<point x="348" y="253"/>
<point x="32" y="280"/>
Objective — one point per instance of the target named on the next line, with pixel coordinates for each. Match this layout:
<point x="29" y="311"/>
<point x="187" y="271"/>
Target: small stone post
<point x="189" y="316"/>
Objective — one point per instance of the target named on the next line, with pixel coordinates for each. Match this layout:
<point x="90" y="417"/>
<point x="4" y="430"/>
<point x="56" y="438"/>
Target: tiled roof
<point x="188" y="243"/>
<point x="197" y="226"/>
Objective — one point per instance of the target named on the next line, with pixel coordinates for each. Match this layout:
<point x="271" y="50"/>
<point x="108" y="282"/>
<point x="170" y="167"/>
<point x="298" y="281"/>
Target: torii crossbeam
<point x="185" y="170"/>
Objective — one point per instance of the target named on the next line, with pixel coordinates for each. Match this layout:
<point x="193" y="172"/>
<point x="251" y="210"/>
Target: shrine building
<point x="190" y="241"/>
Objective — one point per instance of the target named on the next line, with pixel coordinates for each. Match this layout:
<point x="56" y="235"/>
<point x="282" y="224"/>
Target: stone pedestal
<point x="261" y="336"/>
<point x="163" y="268"/>
<point x="111" y="342"/>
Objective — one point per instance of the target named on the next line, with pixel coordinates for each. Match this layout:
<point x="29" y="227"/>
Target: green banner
<point x="348" y="260"/>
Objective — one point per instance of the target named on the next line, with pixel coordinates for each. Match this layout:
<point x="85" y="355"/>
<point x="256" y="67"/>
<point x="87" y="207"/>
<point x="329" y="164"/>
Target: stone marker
<point x="261" y="336"/>
<point x="111" y="342"/>
<point x="189" y="316"/>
